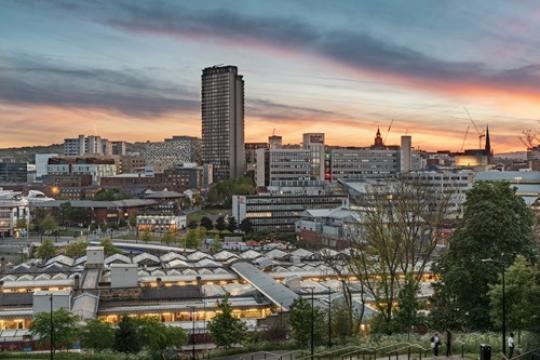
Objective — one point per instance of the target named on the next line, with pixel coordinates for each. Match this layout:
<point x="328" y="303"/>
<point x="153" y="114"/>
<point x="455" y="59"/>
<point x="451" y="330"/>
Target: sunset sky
<point x="131" y="69"/>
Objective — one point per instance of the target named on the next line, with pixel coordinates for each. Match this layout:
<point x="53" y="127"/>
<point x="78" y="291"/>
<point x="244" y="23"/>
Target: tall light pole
<point x="329" y="317"/>
<point x="52" y="329"/>
<point x="192" y="309"/>
<point x="312" y="324"/>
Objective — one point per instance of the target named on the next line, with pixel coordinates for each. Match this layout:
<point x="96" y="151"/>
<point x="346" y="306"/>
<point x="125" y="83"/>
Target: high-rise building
<point x="406" y="158"/>
<point x="223" y="121"/>
<point x="172" y="152"/>
<point x="87" y="145"/>
<point x="314" y="142"/>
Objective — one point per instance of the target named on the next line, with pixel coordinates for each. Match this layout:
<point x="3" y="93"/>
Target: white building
<point x="41" y="161"/>
<point x="87" y="145"/>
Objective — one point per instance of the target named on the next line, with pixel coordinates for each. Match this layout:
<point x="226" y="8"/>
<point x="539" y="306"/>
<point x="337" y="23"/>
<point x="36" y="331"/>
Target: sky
<point x="130" y="70"/>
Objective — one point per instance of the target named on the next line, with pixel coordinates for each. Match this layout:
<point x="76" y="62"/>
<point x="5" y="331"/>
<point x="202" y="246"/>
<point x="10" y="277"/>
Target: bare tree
<point x="401" y="225"/>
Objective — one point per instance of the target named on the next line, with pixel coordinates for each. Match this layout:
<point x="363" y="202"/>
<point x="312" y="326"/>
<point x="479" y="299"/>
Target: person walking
<point x="435" y="344"/>
<point x="511" y="345"/>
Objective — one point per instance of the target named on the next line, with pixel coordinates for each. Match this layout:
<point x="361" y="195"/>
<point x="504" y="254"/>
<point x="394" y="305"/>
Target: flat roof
<point x="279" y="294"/>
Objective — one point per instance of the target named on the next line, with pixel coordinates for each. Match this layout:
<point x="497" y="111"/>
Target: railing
<point x="389" y="350"/>
<point x="531" y="354"/>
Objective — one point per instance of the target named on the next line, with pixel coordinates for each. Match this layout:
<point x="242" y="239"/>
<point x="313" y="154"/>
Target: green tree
<point x="186" y="203"/>
<point x="109" y="248"/>
<point x="207" y="223"/>
<point x="76" y="248"/>
<point x="192" y="239"/>
<point x="300" y="322"/>
<point x="220" y="224"/>
<point x="226" y="329"/>
<point x="220" y="194"/>
<point x="132" y="220"/>
<point x="216" y="245"/>
<point x="246" y="226"/>
<point x="522" y="293"/>
<point x="46" y="250"/>
<point x="65" y="330"/>
<point x="97" y="335"/>
<point x="232" y="225"/>
<point x="48" y="225"/>
<point x="21" y="223"/>
<point x="146" y="236"/>
<point x="408" y="305"/>
<point x="126" y="337"/>
<point x="495" y="221"/>
<point x="159" y="338"/>
<point x="111" y="195"/>
<point x="168" y="238"/>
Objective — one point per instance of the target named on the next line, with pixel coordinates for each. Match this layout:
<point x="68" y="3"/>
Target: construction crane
<point x="465" y="138"/>
<point x="388" y="130"/>
<point x="481" y="134"/>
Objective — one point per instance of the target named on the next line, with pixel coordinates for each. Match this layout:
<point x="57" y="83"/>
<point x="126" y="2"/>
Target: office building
<point x="278" y="165"/>
<point x="87" y="145"/>
<point x="314" y="142"/>
<point x="41" y="161"/>
<point x="278" y="213"/>
<point x="12" y="171"/>
<point x="357" y="163"/>
<point x="119" y="147"/>
<point x="96" y="167"/>
<point x="223" y="121"/>
<point x="406" y="156"/>
<point x="172" y="152"/>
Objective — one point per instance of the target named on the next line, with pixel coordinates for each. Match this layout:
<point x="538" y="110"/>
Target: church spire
<point x="378" y="139"/>
<point x="487" y="147"/>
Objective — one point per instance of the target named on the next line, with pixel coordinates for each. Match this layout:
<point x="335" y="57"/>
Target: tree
<point x="207" y="223"/>
<point x="220" y="194"/>
<point x="76" y="248"/>
<point x="215" y="246"/>
<point x="158" y="337"/>
<point x="246" y="226"/>
<point x="408" y="305"/>
<point x="111" y="195"/>
<point x="522" y="294"/>
<point x="401" y="228"/>
<point x="97" y="335"/>
<point x="46" y="250"/>
<point x="495" y="221"/>
<point x="300" y="322"/>
<point x="109" y="248"/>
<point x="232" y="225"/>
<point x="226" y="329"/>
<point x="193" y="238"/>
<point x="220" y="224"/>
<point x="48" y="225"/>
<point x="168" y="238"/>
<point x="65" y="330"/>
<point x="21" y="223"/>
<point x="186" y="203"/>
<point x="126" y="337"/>
<point x="146" y="236"/>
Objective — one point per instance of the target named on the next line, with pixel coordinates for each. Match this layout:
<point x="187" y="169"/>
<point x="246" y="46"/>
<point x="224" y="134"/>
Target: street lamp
<point x="312" y="323"/>
<point x="192" y="309"/>
<point x="52" y="328"/>
<point x="329" y="317"/>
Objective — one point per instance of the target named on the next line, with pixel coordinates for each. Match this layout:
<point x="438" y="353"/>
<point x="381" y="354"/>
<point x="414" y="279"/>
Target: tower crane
<point x="388" y="130"/>
<point x="481" y="134"/>
<point x="465" y="138"/>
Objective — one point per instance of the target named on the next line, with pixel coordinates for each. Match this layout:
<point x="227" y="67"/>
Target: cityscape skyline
<point x="340" y="78"/>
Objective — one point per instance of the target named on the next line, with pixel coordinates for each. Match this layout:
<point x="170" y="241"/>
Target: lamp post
<point x="329" y="317"/>
<point x="52" y="328"/>
<point x="192" y="309"/>
<point x="312" y="323"/>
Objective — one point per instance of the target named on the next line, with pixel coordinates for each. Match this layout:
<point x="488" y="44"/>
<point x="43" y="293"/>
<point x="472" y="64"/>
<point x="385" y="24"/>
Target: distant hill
<point x="518" y="155"/>
<point x="28" y="153"/>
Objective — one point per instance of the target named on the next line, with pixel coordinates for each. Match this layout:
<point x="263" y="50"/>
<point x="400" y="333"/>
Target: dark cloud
<point x="281" y="112"/>
<point x="25" y="81"/>
<point x="358" y="50"/>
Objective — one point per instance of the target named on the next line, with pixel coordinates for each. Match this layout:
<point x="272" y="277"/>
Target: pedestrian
<point x="435" y="344"/>
<point x="511" y="345"/>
